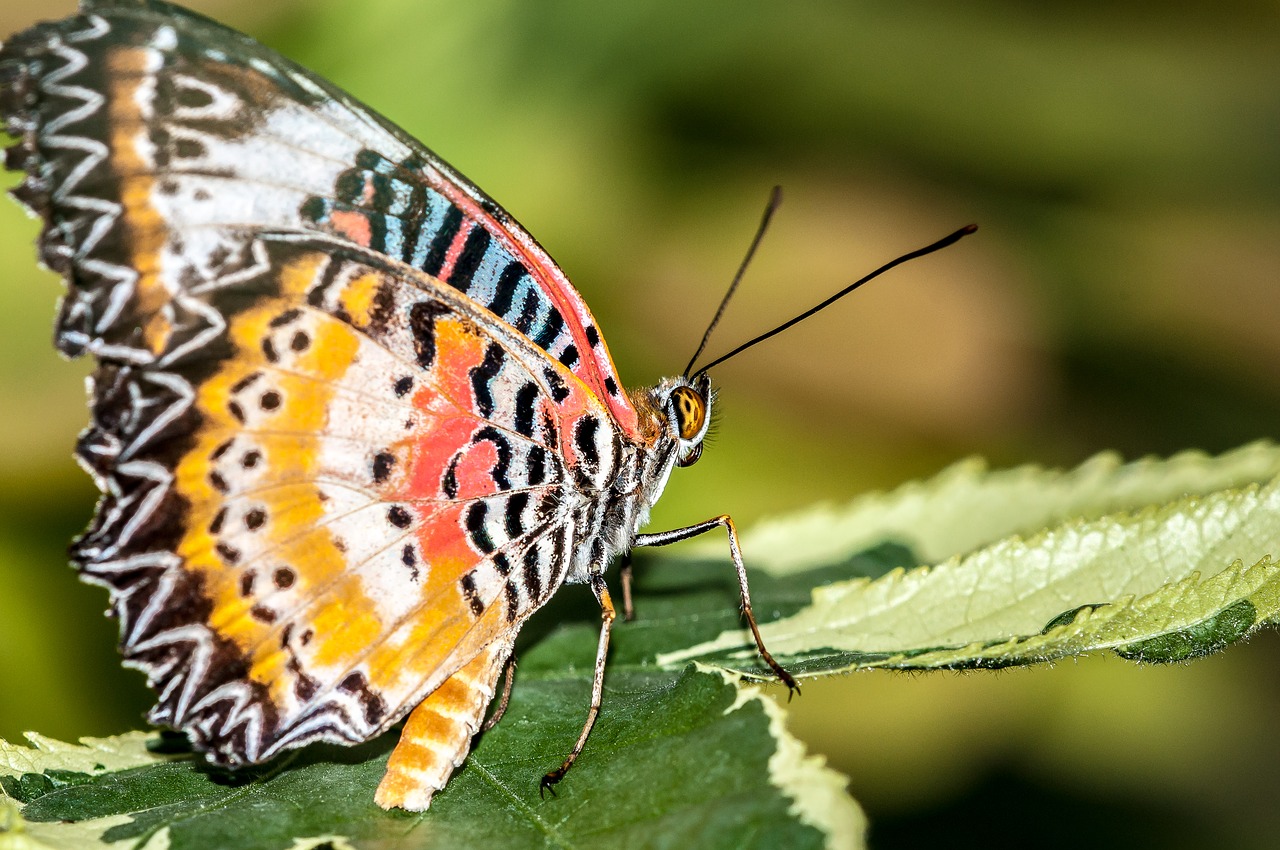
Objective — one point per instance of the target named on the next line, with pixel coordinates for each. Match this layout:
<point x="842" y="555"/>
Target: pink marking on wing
<point x="441" y="535"/>
<point x="455" y="248"/>
<point x="434" y="448"/>
<point x="475" y="471"/>
<point x="353" y="225"/>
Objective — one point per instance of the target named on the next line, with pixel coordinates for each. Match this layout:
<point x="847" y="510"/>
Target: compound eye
<point x="691" y="412"/>
<point x="692" y="457"/>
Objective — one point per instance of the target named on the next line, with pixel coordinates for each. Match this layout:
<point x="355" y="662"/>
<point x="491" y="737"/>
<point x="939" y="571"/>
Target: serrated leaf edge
<point x="825" y="534"/>
<point x="818" y="794"/>
<point x="900" y="585"/>
<point x="90" y="755"/>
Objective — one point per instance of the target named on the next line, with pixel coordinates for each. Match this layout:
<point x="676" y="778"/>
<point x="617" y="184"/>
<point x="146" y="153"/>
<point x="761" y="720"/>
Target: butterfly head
<point x="687" y="406"/>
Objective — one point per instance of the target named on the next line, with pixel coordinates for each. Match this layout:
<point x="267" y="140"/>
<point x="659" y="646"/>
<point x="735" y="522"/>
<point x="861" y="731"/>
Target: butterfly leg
<point x="664" y="538"/>
<point x="607" y="616"/>
<point x="509" y="674"/>
<point x="628" y="613"/>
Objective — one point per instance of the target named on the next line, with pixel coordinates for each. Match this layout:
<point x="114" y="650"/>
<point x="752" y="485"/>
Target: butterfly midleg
<point x="607" y="616"/>
<point x="664" y="538"/>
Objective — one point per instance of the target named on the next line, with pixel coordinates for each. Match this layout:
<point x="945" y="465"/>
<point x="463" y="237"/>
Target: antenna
<point x="775" y="200"/>
<point x="928" y="249"/>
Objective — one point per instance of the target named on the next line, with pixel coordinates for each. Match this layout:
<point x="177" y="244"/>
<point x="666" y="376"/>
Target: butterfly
<point x="351" y="424"/>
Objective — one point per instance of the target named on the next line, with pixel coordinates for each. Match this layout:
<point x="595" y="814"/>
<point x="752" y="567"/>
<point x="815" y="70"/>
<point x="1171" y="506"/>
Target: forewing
<point x="158" y="143"/>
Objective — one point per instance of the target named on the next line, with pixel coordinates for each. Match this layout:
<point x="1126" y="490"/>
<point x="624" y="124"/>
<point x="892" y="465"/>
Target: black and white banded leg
<point x="607" y="616"/>
<point x="664" y="538"/>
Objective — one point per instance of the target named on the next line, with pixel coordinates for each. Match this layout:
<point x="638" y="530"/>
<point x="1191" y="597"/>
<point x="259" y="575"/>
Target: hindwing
<point x="336" y="504"/>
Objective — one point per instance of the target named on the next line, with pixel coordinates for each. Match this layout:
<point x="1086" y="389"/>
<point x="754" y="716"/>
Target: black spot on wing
<point x="550" y="329"/>
<point x="502" y="448"/>
<point x="442" y="240"/>
<point x="584" y="440"/>
<point x="449" y="482"/>
<point x="374" y="706"/>
<point x="513" y="513"/>
<point x="501" y="563"/>
<point x="285" y="317"/>
<point x="508" y="285"/>
<point x="482" y="375"/>
<point x="536" y="465"/>
<point x="382" y="465"/>
<point x="513" y="601"/>
<point x="409" y="557"/>
<point x="187" y="148"/>
<point x="383" y="307"/>
<point x="468" y="585"/>
<point x="422" y="325"/>
<point x="526" y="399"/>
<point x="473" y="251"/>
<point x="558" y="551"/>
<point x="529" y="571"/>
<point x="245" y="382"/>
<point x="475" y="520"/>
<point x="559" y="390"/>
<point x="305" y="688"/>
<point x="528" y="312"/>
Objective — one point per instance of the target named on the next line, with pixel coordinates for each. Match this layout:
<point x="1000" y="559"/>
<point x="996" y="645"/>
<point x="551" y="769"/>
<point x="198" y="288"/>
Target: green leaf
<point x="1157" y="560"/>
<point x="689" y="756"/>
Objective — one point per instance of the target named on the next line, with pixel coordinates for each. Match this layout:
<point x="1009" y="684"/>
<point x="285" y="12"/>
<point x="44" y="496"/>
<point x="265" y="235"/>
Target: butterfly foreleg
<point x="508" y="676"/>
<point x="624" y="572"/>
<point x="664" y="538"/>
<point x="607" y="616"/>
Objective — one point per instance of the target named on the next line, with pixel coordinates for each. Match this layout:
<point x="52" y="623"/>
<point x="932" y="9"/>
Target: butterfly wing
<point x="330" y="479"/>
<point x="366" y="492"/>
<point x="157" y="142"/>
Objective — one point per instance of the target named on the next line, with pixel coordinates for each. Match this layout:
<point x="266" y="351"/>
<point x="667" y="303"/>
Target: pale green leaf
<point x="1159" y="560"/>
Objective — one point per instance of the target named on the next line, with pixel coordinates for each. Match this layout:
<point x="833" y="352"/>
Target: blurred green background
<point x="1121" y="158"/>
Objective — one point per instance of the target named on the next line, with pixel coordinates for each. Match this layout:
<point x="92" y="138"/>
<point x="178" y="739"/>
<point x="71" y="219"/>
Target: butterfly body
<point x="352" y="425"/>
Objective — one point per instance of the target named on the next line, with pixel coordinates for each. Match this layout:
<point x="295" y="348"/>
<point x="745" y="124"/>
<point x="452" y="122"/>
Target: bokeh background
<point x="1123" y="293"/>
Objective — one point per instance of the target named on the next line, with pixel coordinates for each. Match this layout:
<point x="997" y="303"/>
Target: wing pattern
<point x="158" y="142"/>
<point x="334" y="467"/>
<point x="367" y="491"/>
